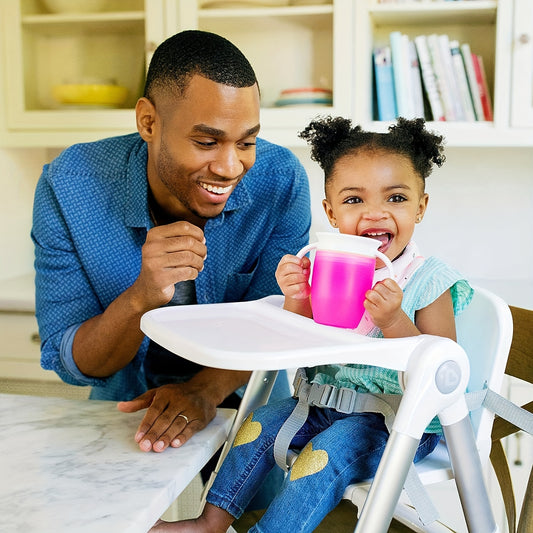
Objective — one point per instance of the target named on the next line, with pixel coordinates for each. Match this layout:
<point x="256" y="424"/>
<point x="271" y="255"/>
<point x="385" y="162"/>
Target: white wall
<point x="20" y="169"/>
<point x="479" y="217"/>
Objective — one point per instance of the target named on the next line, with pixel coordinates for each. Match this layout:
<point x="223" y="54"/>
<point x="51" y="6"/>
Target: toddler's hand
<point x="384" y="303"/>
<point x="292" y="276"/>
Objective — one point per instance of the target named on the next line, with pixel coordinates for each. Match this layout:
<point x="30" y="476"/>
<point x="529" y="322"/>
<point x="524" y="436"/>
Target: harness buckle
<point x="299" y="377"/>
<point x="346" y="400"/>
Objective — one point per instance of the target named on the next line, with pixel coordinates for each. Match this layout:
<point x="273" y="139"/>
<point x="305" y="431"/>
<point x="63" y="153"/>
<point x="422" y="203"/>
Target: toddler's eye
<point x="397" y="198"/>
<point x="353" y="200"/>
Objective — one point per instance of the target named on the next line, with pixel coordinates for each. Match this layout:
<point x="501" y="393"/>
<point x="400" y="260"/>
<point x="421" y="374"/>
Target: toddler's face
<point x="377" y="195"/>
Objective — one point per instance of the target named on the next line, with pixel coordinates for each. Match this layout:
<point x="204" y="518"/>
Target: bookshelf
<point x="325" y="43"/>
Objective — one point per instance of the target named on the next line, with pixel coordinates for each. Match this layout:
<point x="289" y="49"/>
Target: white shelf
<point x="479" y="12"/>
<point x="326" y="45"/>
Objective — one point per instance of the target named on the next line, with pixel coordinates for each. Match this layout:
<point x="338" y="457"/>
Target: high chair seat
<point x="262" y="337"/>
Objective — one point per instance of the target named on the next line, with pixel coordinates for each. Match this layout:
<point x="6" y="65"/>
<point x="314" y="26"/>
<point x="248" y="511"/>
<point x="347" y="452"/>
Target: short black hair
<point x="180" y="57"/>
<point x="334" y="137"/>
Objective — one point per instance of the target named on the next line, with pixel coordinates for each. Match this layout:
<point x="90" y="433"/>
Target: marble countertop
<point x="73" y="466"/>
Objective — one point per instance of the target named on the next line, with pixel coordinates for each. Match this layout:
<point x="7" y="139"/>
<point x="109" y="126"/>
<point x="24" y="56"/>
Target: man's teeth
<point x="216" y="190"/>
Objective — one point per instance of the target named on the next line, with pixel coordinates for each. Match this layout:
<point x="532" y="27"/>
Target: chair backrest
<point x="519" y="365"/>
<point x="485" y="330"/>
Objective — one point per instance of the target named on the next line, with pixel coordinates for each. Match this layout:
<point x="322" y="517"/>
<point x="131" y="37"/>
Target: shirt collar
<point x="136" y="198"/>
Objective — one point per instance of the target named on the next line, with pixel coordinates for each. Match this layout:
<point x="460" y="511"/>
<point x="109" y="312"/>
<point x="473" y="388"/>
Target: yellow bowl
<point x="90" y="94"/>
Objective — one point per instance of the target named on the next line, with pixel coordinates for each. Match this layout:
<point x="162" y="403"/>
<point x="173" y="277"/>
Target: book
<point x="401" y="74"/>
<point x="466" y="52"/>
<point x="451" y="80"/>
<point x="481" y="79"/>
<point x="429" y="78"/>
<point x="384" y="83"/>
<point x="439" y="69"/>
<point x="417" y="97"/>
<point x="462" y="82"/>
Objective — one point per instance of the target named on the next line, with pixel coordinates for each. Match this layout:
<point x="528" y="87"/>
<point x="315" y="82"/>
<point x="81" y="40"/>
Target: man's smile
<point x="216" y="189"/>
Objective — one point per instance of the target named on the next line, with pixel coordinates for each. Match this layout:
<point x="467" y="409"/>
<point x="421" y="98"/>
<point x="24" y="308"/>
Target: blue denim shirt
<point x="90" y="221"/>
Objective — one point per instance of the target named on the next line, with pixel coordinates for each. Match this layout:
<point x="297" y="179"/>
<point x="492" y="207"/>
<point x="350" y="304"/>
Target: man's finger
<point x="141" y="402"/>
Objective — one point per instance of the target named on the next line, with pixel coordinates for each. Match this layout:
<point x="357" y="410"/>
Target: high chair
<point x="262" y="337"/>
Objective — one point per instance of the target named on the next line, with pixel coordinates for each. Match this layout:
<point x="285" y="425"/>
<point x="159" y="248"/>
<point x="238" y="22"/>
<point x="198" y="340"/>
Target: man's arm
<point x="107" y="342"/>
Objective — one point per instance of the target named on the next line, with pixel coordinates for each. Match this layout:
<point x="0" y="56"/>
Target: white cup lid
<point x="342" y="242"/>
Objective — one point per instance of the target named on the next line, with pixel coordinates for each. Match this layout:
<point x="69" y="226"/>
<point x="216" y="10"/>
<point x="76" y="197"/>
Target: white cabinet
<point x="522" y="74"/>
<point x="41" y="50"/>
<point x="20" y="369"/>
<point x="300" y="44"/>
<point x="290" y="47"/>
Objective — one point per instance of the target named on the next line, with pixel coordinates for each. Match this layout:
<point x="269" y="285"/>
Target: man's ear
<point x="145" y="118"/>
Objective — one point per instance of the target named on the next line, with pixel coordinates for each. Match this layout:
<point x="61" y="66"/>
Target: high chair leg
<point x="469" y="477"/>
<point x="387" y="486"/>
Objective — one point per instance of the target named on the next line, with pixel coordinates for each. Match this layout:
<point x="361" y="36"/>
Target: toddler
<point x="375" y="188"/>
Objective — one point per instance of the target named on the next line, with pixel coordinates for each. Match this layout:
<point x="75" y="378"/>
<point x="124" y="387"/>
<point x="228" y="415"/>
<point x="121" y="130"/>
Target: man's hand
<point x="196" y="401"/>
<point x="172" y="253"/>
<point x="175" y="413"/>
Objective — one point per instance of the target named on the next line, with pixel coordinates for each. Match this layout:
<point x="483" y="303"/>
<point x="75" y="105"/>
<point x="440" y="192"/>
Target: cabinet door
<point x="44" y="50"/>
<point x="298" y="45"/>
<point x="522" y="75"/>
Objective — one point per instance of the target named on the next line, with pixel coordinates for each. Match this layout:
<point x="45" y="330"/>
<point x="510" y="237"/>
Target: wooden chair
<point x="519" y="365"/>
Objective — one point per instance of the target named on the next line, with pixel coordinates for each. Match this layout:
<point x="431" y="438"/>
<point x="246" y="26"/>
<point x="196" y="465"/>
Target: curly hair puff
<point x="334" y="137"/>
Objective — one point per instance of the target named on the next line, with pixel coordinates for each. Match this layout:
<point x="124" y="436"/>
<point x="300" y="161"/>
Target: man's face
<point x="200" y="146"/>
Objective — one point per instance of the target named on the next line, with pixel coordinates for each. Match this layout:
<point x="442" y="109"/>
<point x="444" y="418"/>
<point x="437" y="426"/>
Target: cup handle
<point x="306" y="249"/>
<point x="387" y="262"/>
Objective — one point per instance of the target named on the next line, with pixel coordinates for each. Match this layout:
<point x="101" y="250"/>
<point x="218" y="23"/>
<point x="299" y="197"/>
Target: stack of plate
<point x="305" y="96"/>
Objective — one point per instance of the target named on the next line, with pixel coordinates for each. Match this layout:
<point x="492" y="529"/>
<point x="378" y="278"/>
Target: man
<point x="192" y="209"/>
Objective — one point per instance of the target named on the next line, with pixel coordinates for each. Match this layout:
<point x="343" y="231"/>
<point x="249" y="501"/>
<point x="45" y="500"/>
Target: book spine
<point x="472" y="82"/>
<point x="400" y="69"/>
<point x="386" y="104"/>
<point x="462" y="82"/>
<point x="438" y="68"/>
<point x="417" y="98"/>
<point x="484" y="94"/>
<point x="451" y="81"/>
<point x="429" y="79"/>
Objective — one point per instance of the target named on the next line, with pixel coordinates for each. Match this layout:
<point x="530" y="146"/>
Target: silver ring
<point x="186" y="419"/>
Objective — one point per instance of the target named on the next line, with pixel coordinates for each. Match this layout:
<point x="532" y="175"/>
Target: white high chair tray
<point x="260" y="335"/>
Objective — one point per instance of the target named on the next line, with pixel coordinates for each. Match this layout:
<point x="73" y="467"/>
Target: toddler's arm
<point x="384" y="301"/>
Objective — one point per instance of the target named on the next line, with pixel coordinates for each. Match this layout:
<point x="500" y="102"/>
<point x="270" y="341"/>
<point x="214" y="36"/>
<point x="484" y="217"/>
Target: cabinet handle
<point x="524" y="38"/>
<point x="35" y="338"/>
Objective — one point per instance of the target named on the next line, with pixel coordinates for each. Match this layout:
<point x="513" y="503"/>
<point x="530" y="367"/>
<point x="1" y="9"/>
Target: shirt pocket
<point x="238" y="284"/>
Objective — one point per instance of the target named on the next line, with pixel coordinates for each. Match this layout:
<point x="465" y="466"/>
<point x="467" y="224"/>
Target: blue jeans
<point x="338" y="450"/>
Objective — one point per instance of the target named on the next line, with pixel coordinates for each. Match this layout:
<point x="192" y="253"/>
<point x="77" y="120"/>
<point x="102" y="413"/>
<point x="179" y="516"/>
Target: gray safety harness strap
<point x="502" y="407"/>
<point x="349" y="401"/>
